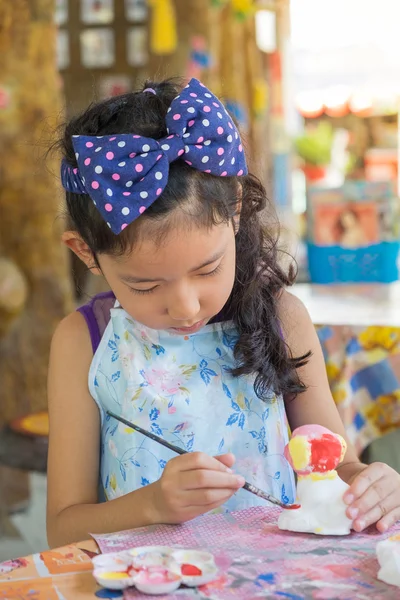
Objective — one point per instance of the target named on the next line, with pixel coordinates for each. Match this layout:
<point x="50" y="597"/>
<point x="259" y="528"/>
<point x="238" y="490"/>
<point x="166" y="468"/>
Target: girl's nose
<point x="184" y="306"/>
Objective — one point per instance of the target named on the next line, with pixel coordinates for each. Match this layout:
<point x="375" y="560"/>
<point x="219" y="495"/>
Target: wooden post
<point x="29" y="203"/>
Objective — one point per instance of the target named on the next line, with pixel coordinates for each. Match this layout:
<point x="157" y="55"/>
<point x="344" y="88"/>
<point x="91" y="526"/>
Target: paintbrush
<point x="247" y="486"/>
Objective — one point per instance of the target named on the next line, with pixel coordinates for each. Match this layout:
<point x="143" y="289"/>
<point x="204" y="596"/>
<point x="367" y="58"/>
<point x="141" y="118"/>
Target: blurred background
<point x="315" y="88"/>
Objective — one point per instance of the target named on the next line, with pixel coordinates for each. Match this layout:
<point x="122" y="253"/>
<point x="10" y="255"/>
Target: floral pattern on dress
<point x="181" y="388"/>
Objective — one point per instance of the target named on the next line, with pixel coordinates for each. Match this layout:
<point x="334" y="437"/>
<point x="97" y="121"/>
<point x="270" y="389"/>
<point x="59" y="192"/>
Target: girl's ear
<point x="236" y="218"/>
<point x="75" y="243"/>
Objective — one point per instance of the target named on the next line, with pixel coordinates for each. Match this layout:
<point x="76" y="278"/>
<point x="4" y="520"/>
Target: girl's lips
<point x="191" y="329"/>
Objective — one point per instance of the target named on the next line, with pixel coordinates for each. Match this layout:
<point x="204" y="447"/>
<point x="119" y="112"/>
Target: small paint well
<point x="152" y="556"/>
<point x="116" y="561"/>
<point x="157" y="581"/>
<point x="196" y="567"/>
<point x="193" y="557"/>
<point x="113" y="580"/>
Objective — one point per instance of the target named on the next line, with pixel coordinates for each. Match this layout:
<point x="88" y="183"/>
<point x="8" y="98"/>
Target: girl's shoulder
<point x="296" y="324"/>
<point x="97" y="315"/>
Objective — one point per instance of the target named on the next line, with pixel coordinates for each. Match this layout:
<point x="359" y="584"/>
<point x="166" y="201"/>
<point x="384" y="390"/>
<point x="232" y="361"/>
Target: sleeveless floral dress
<point x="181" y="389"/>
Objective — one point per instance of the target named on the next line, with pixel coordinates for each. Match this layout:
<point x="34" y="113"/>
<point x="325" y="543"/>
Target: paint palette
<point x="154" y="570"/>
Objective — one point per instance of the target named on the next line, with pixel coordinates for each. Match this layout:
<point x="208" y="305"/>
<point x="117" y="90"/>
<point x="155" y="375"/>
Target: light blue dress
<point x="181" y="389"/>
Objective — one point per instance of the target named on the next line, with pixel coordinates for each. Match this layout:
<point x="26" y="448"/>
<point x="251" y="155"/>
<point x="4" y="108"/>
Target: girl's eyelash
<point x="214" y="272"/>
<point x="143" y="291"/>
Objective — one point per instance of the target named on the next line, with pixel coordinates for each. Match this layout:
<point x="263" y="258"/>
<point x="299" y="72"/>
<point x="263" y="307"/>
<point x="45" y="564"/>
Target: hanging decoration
<point x="243" y="9"/>
<point x="200" y="58"/>
<point x="260" y="98"/>
<point x="163" y="34"/>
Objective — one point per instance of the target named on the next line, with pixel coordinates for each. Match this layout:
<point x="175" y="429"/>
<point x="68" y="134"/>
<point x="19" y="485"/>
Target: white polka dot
<point x="236" y="135"/>
<point x="233" y="161"/>
<point x="75" y="136"/>
<point x="205" y="159"/>
<point x="169" y="110"/>
<point x="206" y="122"/>
<point x="158" y="175"/>
<point x="222" y="162"/>
<point x="129" y="183"/>
<point x="76" y="155"/>
<point x="184" y="130"/>
<point x="207" y="142"/>
<point x="109" y="192"/>
<point x="98" y="149"/>
<point x="109" y="225"/>
<point x="219" y="115"/>
<point x="144" y="155"/>
<point x="200" y="101"/>
<point x="208" y="95"/>
<point x="83" y="180"/>
<point x="75" y="184"/>
<point x="125" y="211"/>
<point x="186" y="135"/>
<point x="121" y="144"/>
<point x="191" y="109"/>
<point x="165" y="147"/>
<point x="98" y="169"/>
<point x="143" y="194"/>
<point x="187" y="149"/>
<point x="94" y="202"/>
<point x="145" y="148"/>
<point x="230" y="139"/>
<point x="99" y="136"/>
<point x="121" y="164"/>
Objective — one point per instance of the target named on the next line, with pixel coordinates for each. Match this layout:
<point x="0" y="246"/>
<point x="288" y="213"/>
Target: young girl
<point x="198" y="341"/>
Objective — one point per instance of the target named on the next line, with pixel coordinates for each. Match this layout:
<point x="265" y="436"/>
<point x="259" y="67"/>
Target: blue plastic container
<point x="377" y="263"/>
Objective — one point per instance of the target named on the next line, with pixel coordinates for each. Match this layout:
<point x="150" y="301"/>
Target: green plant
<point x="315" y="146"/>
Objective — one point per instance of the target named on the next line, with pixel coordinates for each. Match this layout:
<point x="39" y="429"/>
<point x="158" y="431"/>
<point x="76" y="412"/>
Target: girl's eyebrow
<point x="133" y="279"/>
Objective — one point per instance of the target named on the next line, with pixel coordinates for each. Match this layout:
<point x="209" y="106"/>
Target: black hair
<point x="259" y="281"/>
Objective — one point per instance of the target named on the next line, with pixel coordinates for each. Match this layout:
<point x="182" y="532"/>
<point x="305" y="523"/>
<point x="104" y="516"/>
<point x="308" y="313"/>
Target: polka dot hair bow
<point x="124" y="174"/>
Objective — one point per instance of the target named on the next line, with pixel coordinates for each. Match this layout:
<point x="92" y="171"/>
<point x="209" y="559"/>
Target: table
<point x="359" y="330"/>
<point x="255" y="559"/>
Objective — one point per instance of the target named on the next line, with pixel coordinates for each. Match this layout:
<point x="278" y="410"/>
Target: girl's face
<point x="179" y="284"/>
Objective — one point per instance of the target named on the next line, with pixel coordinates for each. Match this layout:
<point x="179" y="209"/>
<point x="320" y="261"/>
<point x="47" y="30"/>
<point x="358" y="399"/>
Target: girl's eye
<point x="214" y="272"/>
<point x="143" y="291"/>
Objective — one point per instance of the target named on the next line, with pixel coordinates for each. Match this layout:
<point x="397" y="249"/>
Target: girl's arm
<point x="74" y="447"/>
<point x="191" y="484"/>
<point x="316" y="405"/>
<point x="374" y="494"/>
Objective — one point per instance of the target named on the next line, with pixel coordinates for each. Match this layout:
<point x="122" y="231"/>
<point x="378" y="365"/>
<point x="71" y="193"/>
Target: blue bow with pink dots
<point x="124" y="174"/>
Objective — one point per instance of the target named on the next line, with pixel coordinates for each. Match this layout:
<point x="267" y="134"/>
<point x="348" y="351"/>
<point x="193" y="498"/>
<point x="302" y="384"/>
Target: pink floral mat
<point x="257" y="560"/>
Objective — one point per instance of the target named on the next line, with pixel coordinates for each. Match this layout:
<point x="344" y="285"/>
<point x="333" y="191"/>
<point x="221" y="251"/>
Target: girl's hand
<point x="373" y="497"/>
<point x="193" y="484"/>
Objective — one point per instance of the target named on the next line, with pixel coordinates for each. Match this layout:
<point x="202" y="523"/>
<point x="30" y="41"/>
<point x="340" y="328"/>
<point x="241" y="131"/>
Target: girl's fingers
<point x="376" y="495"/>
<point x="364" y="480"/>
<point x="197" y="460"/>
<point x="207" y="479"/>
<point x="226" y="459"/>
<point x="205" y="500"/>
<point x="381" y="509"/>
<point x="389" y="520"/>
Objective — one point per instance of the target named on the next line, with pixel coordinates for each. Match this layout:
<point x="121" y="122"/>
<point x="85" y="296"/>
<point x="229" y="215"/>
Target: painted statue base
<point x="322" y="511"/>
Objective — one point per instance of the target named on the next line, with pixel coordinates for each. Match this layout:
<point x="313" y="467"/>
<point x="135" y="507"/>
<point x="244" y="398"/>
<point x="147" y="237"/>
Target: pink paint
<point x="156" y="576"/>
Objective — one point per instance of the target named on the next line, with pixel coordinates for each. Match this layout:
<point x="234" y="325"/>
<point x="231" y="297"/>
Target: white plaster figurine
<point x="314" y="452"/>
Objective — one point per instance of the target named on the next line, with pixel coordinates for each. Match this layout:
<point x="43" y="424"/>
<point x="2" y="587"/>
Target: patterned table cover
<point x="257" y="560"/>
